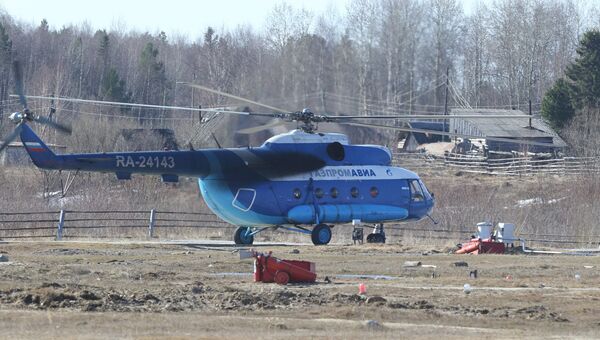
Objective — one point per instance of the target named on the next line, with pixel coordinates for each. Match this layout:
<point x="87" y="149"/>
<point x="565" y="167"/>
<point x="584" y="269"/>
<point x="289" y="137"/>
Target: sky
<point x="188" y="17"/>
<point x="176" y="17"/>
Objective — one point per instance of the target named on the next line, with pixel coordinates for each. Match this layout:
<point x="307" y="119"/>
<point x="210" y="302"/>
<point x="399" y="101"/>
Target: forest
<point x="378" y="56"/>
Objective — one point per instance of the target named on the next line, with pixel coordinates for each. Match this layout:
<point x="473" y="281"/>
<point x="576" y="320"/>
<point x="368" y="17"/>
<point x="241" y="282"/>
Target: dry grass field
<point x="189" y="291"/>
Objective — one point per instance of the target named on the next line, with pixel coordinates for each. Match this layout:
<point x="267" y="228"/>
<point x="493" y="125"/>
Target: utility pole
<point x="410" y="93"/>
<point x="446" y="99"/>
<point x="530" y="114"/>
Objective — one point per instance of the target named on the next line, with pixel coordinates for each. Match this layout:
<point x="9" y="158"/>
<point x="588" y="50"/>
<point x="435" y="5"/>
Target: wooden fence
<point x="103" y="224"/>
<point x="518" y="166"/>
<point x="141" y="224"/>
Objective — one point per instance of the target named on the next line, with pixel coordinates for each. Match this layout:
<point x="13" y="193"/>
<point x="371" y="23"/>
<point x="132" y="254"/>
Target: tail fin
<point x="39" y="152"/>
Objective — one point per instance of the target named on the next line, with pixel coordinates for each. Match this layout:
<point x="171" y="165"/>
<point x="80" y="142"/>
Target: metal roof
<point x="509" y="127"/>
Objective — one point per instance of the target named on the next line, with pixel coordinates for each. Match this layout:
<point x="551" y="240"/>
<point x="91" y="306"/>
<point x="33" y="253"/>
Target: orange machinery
<point x="268" y="268"/>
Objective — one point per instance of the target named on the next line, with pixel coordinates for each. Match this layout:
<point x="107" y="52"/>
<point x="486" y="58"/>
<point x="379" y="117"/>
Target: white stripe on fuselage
<point x="351" y="172"/>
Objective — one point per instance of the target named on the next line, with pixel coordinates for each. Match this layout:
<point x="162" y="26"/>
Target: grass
<point x="542" y="207"/>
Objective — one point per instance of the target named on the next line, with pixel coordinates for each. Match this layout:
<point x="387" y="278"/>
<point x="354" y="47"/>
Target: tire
<point x="240" y="236"/>
<point x="321" y="234"/>
<point x="282" y="278"/>
<point x="375" y="238"/>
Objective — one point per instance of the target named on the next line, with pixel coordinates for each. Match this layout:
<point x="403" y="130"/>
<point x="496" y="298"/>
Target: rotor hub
<point x="308" y="120"/>
<point x="16" y="117"/>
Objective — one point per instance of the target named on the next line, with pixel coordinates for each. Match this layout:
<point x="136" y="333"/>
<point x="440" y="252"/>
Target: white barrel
<point x="484" y="230"/>
<point x="505" y="232"/>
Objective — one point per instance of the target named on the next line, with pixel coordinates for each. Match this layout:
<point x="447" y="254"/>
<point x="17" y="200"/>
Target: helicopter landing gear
<point x="243" y="236"/>
<point x="378" y="234"/>
<point x="321" y="234"/>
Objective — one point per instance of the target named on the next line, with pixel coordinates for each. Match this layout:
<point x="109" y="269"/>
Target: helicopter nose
<point x="430" y="204"/>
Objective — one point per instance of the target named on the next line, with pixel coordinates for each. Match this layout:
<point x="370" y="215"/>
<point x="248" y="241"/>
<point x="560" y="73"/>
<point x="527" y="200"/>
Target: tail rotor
<point x="26" y="115"/>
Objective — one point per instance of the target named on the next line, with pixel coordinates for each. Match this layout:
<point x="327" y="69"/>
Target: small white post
<point x="151" y="224"/>
<point x="61" y="224"/>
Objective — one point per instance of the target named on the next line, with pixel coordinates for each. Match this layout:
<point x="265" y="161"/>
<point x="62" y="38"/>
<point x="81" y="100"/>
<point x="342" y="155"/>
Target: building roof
<point x="423" y="138"/>
<point x="510" y="127"/>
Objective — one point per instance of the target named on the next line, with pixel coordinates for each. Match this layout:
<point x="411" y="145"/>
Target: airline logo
<point x="34" y="147"/>
<point x="351" y="173"/>
<point x="344" y="173"/>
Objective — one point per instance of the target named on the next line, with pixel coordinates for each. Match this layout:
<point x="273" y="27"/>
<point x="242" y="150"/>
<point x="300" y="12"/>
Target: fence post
<point x="61" y="224"/>
<point x="151" y="224"/>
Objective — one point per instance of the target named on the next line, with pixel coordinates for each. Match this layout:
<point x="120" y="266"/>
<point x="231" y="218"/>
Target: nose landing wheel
<point x="243" y="235"/>
<point x="321" y="234"/>
<point x="378" y="234"/>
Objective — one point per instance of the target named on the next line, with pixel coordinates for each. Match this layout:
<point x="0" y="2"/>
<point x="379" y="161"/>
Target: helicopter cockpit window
<point x="425" y="191"/>
<point x="297" y="193"/>
<point x="336" y="151"/>
<point x="416" y="193"/>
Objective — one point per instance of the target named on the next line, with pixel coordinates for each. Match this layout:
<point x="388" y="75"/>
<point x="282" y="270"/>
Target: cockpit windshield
<point x="425" y="191"/>
<point x="416" y="194"/>
<point x="418" y="191"/>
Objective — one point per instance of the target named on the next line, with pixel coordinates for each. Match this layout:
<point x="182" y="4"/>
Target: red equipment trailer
<point x="479" y="246"/>
<point x="268" y="268"/>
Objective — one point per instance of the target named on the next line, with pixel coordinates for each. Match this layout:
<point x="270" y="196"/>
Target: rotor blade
<point x="271" y="124"/>
<point x="60" y="127"/>
<point x="443" y="133"/>
<point x="225" y="94"/>
<point x="427" y="117"/>
<point x="19" y="83"/>
<point x="10" y="138"/>
<point x="183" y="108"/>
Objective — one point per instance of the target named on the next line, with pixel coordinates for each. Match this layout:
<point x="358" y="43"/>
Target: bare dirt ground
<point x="150" y="290"/>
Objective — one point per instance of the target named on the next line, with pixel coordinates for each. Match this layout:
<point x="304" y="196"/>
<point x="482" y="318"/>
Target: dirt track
<point x="87" y="290"/>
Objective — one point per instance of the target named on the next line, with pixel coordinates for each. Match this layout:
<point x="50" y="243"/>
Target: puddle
<point x="339" y="276"/>
<point x="231" y="274"/>
<point x="363" y="276"/>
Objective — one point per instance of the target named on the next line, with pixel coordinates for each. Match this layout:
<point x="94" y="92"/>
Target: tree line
<point x="379" y="56"/>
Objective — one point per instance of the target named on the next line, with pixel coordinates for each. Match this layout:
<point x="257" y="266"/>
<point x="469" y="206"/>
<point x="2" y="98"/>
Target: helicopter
<point x="301" y="181"/>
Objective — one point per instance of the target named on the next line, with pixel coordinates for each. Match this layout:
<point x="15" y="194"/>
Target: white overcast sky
<point x="188" y="17"/>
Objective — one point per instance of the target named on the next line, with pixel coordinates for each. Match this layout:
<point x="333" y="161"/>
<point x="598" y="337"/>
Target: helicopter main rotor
<point x="307" y="120"/>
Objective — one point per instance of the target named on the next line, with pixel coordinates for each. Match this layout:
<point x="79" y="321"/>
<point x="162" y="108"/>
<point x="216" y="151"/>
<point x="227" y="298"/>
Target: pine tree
<point x="113" y="87"/>
<point x="153" y="73"/>
<point x="584" y="72"/>
<point x="556" y="105"/>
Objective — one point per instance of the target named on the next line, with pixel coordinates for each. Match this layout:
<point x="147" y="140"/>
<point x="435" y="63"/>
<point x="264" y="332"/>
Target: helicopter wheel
<point x="321" y="234"/>
<point x="242" y="236"/>
<point x="375" y="238"/>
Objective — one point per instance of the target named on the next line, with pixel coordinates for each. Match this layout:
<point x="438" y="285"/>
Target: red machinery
<point x="479" y="246"/>
<point x="271" y="269"/>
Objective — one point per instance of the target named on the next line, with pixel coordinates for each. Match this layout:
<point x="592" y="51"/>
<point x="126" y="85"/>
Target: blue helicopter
<point x="301" y="181"/>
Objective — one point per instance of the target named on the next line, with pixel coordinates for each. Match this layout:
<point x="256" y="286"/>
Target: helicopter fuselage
<point x="356" y="182"/>
<point x="296" y="178"/>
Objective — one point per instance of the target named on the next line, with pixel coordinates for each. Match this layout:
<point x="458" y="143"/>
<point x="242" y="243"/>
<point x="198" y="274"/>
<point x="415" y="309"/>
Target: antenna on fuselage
<point x="216" y="140"/>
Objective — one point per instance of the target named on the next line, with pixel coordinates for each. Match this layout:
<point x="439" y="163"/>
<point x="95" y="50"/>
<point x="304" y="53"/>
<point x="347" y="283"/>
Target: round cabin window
<point x="354" y="192"/>
<point x="374" y="192"/>
<point x="319" y="193"/>
<point x="336" y="151"/>
<point x="297" y="193"/>
<point x="334" y="192"/>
